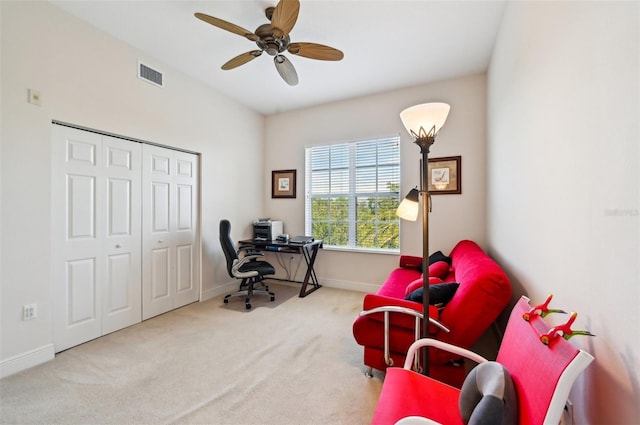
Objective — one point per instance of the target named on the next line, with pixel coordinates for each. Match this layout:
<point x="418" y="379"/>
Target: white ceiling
<point x="388" y="44"/>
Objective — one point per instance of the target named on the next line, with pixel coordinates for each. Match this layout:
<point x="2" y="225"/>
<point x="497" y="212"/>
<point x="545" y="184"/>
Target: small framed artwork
<point x="283" y="184"/>
<point x="444" y="175"/>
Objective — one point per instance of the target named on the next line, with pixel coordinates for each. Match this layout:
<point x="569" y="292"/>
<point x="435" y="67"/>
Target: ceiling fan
<point x="273" y="38"/>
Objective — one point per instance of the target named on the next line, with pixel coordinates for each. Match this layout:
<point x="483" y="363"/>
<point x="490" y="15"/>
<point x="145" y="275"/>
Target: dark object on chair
<point x="247" y="268"/>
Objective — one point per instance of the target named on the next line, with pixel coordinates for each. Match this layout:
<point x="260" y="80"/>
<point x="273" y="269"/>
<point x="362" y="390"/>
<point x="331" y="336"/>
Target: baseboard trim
<point x="26" y="360"/>
<point x="231" y="286"/>
<point x="219" y="290"/>
<point x="350" y="286"/>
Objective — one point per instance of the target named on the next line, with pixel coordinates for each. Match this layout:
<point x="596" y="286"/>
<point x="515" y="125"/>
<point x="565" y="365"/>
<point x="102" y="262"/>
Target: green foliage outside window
<point x="376" y="221"/>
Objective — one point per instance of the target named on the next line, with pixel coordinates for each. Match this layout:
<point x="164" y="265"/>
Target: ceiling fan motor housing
<point x="268" y="42"/>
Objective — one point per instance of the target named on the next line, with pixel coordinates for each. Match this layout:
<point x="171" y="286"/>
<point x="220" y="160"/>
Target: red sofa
<point x="483" y="292"/>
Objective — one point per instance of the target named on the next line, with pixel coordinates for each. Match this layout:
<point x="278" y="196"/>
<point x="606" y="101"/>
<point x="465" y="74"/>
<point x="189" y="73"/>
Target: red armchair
<point x="483" y="292"/>
<point x="538" y="379"/>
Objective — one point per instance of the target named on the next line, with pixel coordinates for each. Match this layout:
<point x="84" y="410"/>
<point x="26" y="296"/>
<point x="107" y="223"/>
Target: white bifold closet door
<point x="169" y="220"/>
<point x="96" y="238"/>
<point x="125" y="233"/>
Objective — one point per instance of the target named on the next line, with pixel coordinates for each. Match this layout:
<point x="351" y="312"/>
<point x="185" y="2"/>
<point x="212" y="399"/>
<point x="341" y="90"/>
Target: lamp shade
<point x="408" y="208"/>
<point x="425" y="119"/>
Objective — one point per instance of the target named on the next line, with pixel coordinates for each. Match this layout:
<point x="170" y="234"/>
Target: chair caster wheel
<point x="247" y="306"/>
<point x="226" y="301"/>
<point x="273" y="298"/>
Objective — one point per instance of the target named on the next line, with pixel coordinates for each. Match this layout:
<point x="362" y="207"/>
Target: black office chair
<point x="247" y="268"/>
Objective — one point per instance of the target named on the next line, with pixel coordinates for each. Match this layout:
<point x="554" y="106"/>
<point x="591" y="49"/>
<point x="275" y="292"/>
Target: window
<point x="352" y="192"/>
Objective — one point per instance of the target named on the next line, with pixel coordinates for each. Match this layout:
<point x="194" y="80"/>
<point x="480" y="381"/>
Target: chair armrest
<point x="430" y="342"/>
<point x="235" y="268"/>
<point x="248" y="249"/>
<point x="373" y="301"/>
<point x="250" y="257"/>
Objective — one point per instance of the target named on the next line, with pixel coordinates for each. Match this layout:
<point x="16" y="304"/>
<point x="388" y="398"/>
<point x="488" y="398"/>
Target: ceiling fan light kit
<point x="273" y="38"/>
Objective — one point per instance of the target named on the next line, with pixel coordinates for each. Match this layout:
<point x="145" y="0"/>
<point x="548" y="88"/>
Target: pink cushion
<point x="418" y="284"/>
<point x="439" y="269"/>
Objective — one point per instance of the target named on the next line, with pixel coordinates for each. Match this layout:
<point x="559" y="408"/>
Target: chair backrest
<point x="228" y="247"/>
<point x="542" y="374"/>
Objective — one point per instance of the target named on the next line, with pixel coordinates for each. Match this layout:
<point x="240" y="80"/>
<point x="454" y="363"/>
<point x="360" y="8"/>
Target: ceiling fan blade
<point x="228" y="26"/>
<point x="315" y="51"/>
<point x="241" y="59"/>
<point x="285" y="15"/>
<point x="286" y="70"/>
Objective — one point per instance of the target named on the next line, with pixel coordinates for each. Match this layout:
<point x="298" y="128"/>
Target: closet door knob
<point x="160" y="241"/>
<point x="118" y="246"/>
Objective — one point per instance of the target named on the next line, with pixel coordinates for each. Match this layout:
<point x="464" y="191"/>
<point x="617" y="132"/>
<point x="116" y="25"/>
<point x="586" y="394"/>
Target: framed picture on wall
<point x="444" y="175"/>
<point x="283" y="184"/>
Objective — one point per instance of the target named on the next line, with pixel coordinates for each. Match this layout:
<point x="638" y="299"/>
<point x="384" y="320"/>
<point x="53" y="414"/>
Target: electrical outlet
<point x="29" y="311"/>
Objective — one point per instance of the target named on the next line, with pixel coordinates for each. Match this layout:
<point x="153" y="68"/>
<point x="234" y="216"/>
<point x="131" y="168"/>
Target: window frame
<point x="353" y="196"/>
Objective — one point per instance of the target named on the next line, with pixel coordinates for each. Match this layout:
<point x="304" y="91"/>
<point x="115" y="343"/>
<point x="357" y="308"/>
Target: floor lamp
<point x="423" y="123"/>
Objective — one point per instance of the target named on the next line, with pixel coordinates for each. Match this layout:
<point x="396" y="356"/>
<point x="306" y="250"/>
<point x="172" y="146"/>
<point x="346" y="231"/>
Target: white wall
<point x="563" y="181"/>
<point x="454" y="217"/>
<point x="88" y="78"/>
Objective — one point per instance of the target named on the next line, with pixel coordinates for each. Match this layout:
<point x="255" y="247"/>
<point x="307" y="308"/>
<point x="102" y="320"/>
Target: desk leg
<point x="310" y="259"/>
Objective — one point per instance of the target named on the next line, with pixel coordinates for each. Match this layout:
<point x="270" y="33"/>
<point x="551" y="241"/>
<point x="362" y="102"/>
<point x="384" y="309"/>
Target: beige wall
<point x="563" y="181"/>
<point x="454" y="217"/>
<point x="88" y="78"/>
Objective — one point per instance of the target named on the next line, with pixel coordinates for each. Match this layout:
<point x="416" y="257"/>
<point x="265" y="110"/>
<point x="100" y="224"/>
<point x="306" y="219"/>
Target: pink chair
<point x="541" y="377"/>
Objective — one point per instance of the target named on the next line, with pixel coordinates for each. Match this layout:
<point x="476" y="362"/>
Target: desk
<point x="309" y="252"/>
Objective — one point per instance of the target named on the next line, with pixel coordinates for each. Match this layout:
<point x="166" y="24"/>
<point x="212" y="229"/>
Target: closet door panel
<point x="157" y="263"/>
<point x="122" y="279"/>
<point x="160" y="273"/>
<point x="80" y="287"/>
<point x="185" y="268"/>
<point x="169" y="230"/>
<point x="77" y="223"/>
<point x="186" y="235"/>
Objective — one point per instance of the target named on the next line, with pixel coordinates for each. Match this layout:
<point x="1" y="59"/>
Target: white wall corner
<point x="26" y="360"/>
<point x="219" y="290"/>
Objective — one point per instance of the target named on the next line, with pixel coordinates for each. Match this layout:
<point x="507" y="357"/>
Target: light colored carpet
<point x="292" y="361"/>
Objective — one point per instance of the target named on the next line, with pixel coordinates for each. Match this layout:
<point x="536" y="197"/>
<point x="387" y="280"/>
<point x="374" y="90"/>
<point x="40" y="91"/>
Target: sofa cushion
<point x="439" y="293"/>
<point x="439" y="269"/>
<point x="418" y="284"/>
<point x="488" y="396"/>
<point x="435" y="257"/>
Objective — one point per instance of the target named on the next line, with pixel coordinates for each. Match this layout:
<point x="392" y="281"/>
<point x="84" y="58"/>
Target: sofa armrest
<point x="396" y="309"/>
<point x="430" y="342"/>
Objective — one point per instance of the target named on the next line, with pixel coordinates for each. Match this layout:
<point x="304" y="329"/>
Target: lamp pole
<point x="425" y="142"/>
<point x="423" y="123"/>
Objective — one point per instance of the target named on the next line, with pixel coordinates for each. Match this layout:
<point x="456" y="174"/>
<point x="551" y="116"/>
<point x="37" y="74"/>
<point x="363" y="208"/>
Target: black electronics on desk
<point x="301" y="240"/>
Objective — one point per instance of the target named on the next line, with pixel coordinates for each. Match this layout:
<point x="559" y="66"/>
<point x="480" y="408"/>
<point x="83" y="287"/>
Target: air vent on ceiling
<point x="150" y="75"/>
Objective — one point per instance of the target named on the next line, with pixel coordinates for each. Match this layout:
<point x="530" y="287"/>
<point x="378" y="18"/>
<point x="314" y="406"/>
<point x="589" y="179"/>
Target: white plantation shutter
<point x="352" y="191"/>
